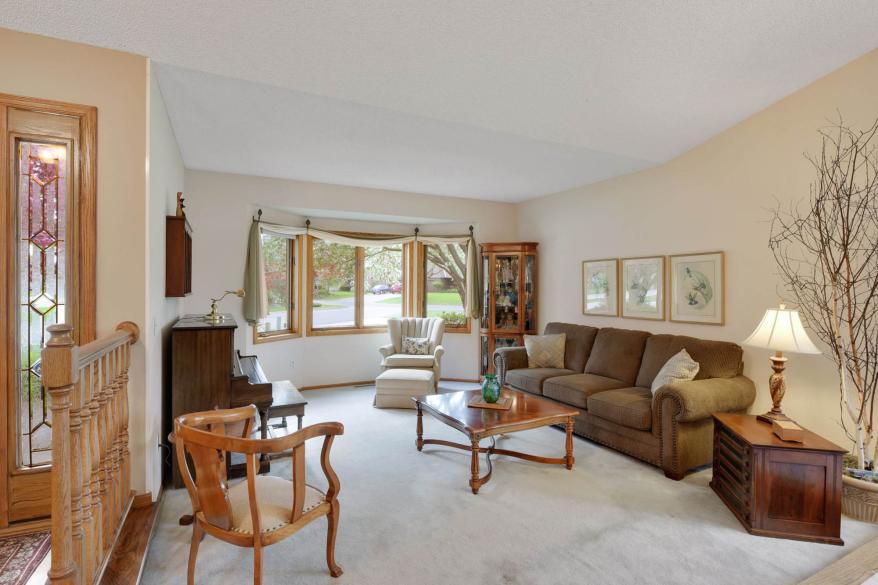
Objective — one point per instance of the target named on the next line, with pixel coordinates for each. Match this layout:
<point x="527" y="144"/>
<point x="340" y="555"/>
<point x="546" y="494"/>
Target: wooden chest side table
<point x="777" y="488"/>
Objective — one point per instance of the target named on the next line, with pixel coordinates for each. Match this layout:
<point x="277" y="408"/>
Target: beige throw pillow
<point x="680" y="368"/>
<point x="545" y="351"/>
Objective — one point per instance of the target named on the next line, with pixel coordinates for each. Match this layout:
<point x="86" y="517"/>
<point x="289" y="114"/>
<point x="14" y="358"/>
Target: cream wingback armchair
<point x="431" y="328"/>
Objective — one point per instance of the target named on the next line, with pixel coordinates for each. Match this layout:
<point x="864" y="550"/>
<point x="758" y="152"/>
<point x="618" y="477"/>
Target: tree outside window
<point x="278" y="255"/>
<point x="355" y="287"/>
<point x="445" y="283"/>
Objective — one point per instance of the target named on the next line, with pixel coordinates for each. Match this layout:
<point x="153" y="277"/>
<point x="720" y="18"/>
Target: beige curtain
<point x="255" y="287"/>
<point x="256" y="297"/>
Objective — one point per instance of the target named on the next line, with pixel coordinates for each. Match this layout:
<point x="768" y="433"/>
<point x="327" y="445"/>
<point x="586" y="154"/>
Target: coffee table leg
<point x="569" y="457"/>
<point x="300" y="421"/>
<point x="420" y="441"/>
<point x="474" y="482"/>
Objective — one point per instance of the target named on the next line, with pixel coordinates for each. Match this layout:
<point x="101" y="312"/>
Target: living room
<point x="503" y="288"/>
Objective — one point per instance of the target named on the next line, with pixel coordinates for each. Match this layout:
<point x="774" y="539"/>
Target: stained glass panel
<point x="42" y="193"/>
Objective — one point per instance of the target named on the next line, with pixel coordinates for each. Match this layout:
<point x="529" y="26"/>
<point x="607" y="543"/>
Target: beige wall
<point x="715" y="197"/>
<point x="116" y="83"/>
<point x="220" y="207"/>
<point x="165" y="176"/>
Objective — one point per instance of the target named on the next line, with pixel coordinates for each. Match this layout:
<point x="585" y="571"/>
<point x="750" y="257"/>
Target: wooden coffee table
<point x="527" y="412"/>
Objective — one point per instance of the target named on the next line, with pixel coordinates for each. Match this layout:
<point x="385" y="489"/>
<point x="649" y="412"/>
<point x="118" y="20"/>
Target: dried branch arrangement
<point x="827" y="255"/>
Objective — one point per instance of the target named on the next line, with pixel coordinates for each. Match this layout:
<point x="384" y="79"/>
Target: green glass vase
<point x="491" y="389"/>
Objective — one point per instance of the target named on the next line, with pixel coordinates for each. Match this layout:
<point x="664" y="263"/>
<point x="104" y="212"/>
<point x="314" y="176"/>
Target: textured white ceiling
<point x="235" y="126"/>
<point x="644" y="80"/>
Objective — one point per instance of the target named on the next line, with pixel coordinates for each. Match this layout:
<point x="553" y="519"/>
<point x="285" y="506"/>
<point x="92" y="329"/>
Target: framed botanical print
<point x="643" y="288"/>
<point x="600" y="287"/>
<point x="698" y="288"/>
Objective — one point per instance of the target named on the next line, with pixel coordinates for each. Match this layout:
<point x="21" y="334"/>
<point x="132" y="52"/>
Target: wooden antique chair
<point x="262" y="509"/>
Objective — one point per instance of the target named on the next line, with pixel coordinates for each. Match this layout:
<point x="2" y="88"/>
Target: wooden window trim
<point x="359" y="290"/>
<point x="420" y="301"/>
<point x="294" y="331"/>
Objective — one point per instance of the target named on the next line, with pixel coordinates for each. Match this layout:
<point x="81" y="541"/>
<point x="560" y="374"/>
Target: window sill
<point x="281" y="336"/>
<point x="346" y="331"/>
<point x="466" y="329"/>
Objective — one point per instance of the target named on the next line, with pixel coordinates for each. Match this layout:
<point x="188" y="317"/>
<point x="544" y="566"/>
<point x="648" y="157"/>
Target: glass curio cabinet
<point x="509" y="304"/>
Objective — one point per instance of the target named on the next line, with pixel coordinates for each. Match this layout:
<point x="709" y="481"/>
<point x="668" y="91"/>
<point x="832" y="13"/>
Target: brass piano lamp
<point x="215" y="316"/>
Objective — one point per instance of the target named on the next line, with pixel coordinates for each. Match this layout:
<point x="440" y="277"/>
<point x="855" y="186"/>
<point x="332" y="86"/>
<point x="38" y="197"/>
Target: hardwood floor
<point x="852" y="569"/>
<point x="126" y="563"/>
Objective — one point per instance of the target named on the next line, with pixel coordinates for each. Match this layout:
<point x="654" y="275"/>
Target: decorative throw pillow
<point x="416" y="345"/>
<point x="545" y="351"/>
<point x="680" y="368"/>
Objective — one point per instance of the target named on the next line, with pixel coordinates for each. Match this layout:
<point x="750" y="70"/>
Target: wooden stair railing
<point x="91" y="485"/>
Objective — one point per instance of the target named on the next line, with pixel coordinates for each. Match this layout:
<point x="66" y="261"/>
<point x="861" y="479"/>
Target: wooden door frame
<point x="83" y="262"/>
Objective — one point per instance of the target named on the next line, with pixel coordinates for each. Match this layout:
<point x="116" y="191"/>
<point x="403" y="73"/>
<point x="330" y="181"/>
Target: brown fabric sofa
<point x="607" y="374"/>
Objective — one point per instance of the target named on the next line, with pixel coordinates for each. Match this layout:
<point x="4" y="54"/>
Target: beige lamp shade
<point x="782" y="330"/>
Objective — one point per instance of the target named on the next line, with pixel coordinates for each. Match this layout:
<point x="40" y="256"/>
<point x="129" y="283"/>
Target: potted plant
<point x="827" y="255"/>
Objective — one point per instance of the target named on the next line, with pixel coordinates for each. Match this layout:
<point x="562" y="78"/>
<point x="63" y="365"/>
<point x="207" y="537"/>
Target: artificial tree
<point x="827" y="255"/>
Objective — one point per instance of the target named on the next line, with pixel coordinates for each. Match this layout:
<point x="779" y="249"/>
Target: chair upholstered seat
<point x="575" y="390"/>
<point x="629" y="407"/>
<point x="531" y="379"/>
<point x="274" y="499"/>
<point x="404" y="360"/>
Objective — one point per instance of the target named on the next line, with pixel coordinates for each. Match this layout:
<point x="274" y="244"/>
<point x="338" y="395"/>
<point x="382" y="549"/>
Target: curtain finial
<point x="307" y="225"/>
<point x="417" y="231"/>
<point x="471" y="231"/>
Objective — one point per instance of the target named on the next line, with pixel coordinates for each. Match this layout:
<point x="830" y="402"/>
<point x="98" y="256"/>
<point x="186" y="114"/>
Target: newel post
<point x="60" y="361"/>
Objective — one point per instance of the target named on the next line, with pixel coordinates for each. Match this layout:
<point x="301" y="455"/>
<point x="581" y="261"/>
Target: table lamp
<point x="781" y="330"/>
<point x="215" y="316"/>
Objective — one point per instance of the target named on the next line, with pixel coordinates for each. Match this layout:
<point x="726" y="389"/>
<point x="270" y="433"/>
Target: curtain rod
<point x="308" y="225"/>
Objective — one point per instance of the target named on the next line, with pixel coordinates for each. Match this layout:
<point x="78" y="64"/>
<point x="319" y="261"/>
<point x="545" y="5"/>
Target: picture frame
<point x="600" y="287"/>
<point x="642" y="292"/>
<point x="697" y="293"/>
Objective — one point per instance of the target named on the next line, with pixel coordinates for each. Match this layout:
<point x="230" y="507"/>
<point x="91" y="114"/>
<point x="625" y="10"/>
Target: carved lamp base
<point x="772" y="416"/>
<point x="777" y="386"/>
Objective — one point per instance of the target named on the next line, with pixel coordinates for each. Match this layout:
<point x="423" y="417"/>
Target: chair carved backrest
<point x="433" y="328"/>
<point x="208" y="490"/>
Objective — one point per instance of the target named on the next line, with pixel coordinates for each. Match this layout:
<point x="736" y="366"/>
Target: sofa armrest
<point x="698" y="399"/>
<point x="387" y="350"/>
<point x="508" y="358"/>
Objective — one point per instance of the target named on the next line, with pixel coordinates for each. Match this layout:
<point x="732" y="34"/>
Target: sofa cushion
<point x="717" y="359"/>
<point x="680" y="368"/>
<point x="405" y="360"/>
<point x="616" y="354"/>
<point x="531" y="379"/>
<point x="575" y="390"/>
<point x="580" y="339"/>
<point x="545" y="351"/>
<point x="629" y="407"/>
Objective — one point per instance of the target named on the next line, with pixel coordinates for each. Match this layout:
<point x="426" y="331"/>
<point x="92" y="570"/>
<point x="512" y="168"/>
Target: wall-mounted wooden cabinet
<point x="509" y="305"/>
<point x="178" y="256"/>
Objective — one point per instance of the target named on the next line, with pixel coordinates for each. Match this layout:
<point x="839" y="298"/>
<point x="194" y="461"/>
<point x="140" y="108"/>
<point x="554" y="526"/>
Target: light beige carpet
<point x="409" y="518"/>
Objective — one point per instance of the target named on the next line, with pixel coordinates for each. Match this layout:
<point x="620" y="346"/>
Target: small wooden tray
<point x="504" y="403"/>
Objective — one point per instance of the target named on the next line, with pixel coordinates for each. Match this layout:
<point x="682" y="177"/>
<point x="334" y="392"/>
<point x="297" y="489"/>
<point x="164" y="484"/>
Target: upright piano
<point x="207" y="373"/>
